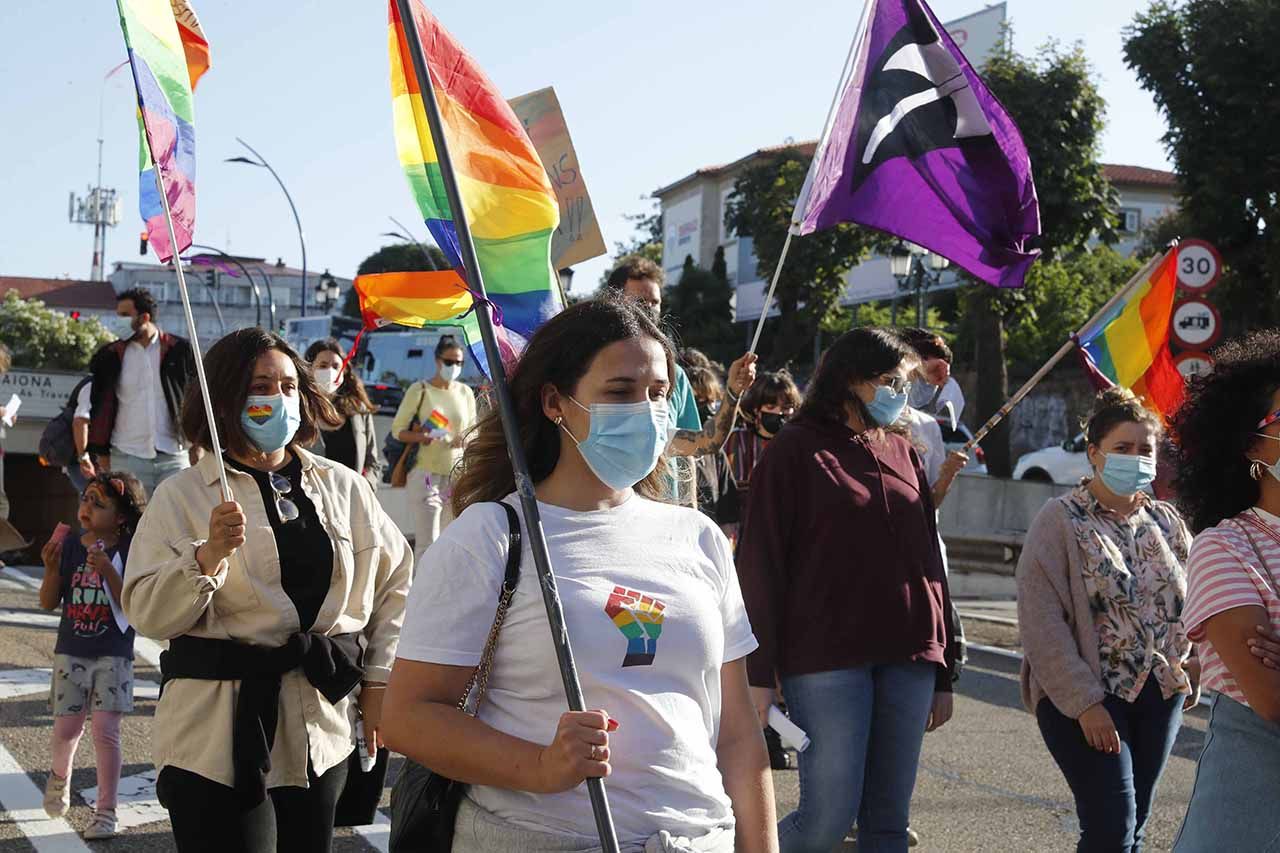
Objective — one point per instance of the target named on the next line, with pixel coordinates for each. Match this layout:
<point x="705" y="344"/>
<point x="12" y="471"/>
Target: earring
<point x="1257" y="469"/>
<point x="559" y="419"/>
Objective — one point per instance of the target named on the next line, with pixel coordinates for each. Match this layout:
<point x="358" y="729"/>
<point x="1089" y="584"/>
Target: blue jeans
<point x="1233" y="804"/>
<point x="866" y="726"/>
<point x="150" y="472"/>
<point x="1113" y="792"/>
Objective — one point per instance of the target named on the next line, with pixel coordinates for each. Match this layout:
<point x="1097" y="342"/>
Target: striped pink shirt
<point x="1223" y="573"/>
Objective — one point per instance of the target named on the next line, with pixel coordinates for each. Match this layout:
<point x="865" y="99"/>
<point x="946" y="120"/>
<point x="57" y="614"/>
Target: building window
<point x="1130" y="220"/>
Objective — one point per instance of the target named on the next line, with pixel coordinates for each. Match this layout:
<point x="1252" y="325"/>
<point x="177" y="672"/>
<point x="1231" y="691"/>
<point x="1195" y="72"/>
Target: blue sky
<point x="651" y="92"/>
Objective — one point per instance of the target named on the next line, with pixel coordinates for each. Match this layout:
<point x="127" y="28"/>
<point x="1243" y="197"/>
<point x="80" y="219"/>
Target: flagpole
<point x="176" y="259"/>
<point x="506" y="408"/>
<point x="849" y="60"/>
<point x="1140" y="277"/>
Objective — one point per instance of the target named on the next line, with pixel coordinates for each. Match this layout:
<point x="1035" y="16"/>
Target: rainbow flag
<point x="437" y="419"/>
<point x="510" y="204"/>
<point x="194" y="45"/>
<point x="166" y="117"/>
<point x="1129" y="345"/>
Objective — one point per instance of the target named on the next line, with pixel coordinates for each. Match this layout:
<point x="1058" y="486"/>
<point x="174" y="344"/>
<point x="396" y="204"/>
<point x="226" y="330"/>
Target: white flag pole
<point x="794" y="228"/>
<point x="191" y="329"/>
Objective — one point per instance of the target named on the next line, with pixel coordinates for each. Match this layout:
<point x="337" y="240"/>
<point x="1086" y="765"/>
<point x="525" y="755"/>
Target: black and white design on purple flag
<point x="917" y="99"/>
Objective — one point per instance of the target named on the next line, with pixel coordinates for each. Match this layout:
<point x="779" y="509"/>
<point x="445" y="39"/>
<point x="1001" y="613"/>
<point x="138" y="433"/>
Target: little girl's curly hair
<point x="125" y="492"/>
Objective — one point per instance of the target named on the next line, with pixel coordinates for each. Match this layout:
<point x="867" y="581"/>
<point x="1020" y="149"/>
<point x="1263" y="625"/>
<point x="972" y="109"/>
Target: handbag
<point x="408" y="456"/>
<point x="424" y="804"/>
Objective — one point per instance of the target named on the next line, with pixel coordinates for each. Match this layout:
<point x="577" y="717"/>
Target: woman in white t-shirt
<point x="651" y="602"/>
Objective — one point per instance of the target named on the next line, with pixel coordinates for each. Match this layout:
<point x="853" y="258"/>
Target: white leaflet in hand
<point x="950" y="408"/>
<point x="11" y="409"/>
<point x="791" y="734"/>
<point x="116" y="610"/>
<point x="439" y="434"/>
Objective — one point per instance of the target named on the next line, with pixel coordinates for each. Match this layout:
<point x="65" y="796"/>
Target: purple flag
<point x="921" y="149"/>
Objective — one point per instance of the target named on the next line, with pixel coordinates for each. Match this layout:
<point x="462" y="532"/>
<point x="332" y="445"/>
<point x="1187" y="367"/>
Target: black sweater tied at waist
<point x="333" y="665"/>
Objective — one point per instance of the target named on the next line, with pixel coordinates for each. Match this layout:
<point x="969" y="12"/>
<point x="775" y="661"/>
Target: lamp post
<point x="916" y="270"/>
<point x="261" y="162"/>
<point x="257" y="294"/>
<point x="327" y="292"/>
<point x="407" y="236"/>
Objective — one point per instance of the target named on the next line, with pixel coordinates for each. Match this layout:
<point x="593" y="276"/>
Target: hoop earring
<point x="1257" y="470"/>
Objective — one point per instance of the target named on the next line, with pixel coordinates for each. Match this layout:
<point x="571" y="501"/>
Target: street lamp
<point x="916" y="269"/>
<point x="261" y="162"/>
<point x="566" y="279"/>
<point x="327" y="292"/>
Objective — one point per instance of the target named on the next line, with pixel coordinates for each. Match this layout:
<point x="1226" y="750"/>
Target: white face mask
<point x="450" y="372"/>
<point x="328" y="378"/>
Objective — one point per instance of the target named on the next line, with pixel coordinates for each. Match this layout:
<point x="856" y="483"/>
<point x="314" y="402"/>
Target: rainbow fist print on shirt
<point x="639" y="617"/>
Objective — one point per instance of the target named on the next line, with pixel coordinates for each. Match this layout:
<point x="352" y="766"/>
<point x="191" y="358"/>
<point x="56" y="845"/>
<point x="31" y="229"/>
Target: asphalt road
<point x="986" y="781"/>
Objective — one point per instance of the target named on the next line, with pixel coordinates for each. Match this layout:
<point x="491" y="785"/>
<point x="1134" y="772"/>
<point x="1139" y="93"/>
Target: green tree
<point x="41" y="338"/>
<point x="1212" y="67"/>
<point x="700" y="311"/>
<point x="813" y="277"/>
<point x="1055" y="101"/>
<point x="396" y="257"/>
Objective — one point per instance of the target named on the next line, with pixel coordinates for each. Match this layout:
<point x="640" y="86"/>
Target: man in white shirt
<point x="138" y="385"/>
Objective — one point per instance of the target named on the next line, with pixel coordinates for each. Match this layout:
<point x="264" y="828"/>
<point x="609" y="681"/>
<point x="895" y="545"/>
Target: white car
<point x="1064" y="464"/>
<point x="956" y="439"/>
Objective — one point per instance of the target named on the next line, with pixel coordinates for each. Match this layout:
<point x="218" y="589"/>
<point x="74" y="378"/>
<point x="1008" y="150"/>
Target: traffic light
<point x="211" y="278"/>
<point x="75" y="315"/>
<point x="142" y="247"/>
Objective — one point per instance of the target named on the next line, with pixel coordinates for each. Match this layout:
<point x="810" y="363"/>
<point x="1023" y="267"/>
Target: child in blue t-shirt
<point x="93" y="657"/>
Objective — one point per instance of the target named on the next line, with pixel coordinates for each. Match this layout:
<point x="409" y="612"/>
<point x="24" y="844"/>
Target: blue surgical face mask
<point x="887" y="406"/>
<point x="270" y="421"/>
<point x="625" y="440"/>
<point x="1126" y="474"/>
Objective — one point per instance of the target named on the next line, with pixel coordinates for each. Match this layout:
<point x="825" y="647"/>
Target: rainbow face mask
<point x="270" y="421"/>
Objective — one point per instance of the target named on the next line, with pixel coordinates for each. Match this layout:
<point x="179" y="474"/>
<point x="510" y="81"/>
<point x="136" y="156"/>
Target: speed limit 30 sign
<point x="1199" y="265"/>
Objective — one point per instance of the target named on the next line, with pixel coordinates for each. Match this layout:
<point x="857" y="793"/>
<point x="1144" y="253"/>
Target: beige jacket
<point x="166" y="596"/>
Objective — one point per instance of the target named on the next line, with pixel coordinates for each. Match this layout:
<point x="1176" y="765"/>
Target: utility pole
<point x="100" y="208"/>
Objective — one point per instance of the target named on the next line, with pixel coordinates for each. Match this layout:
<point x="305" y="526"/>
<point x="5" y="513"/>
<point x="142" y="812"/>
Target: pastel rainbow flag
<point x="437" y="419"/>
<point x="1129" y="345"/>
<point x="194" y="44"/>
<point x="510" y="204"/>
<point x="166" y="116"/>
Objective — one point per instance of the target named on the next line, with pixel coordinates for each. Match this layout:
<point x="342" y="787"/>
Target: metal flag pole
<point x="1064" y="350"/>
<point x="510" y="428"/>
<point x="191" y="329"/>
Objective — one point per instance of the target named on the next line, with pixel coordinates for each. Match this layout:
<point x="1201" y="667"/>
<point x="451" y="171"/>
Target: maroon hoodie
<point x="839" y="561"/>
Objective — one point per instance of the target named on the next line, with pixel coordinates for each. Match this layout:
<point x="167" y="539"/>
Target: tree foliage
<point x="41" y="338"/>
<point x="813" y="277"/>
<point x="1054" y="99"/>
<point x="699" y="309"/>
<point x="1214" y="71"/>
<point x="396" y="257"/>
<point x="645" y="240"/>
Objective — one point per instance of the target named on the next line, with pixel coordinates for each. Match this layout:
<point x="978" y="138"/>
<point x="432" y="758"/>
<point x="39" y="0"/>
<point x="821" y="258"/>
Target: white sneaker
<point x="103" y="826"/>
<point x="57" y="796"/>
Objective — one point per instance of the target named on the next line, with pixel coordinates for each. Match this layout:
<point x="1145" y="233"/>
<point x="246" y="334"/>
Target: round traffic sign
<point x="1191" y="364"/>
<point x="1199" y="265"/>
<point x="1196" y="324"/>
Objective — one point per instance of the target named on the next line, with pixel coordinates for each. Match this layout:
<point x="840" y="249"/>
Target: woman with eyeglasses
<point x="282" y="608"/>
<point x="1108" y="668"/>
<point x="435" y="416"/>
<point x="1227" y="456"/>
<point x="843" y="581"/>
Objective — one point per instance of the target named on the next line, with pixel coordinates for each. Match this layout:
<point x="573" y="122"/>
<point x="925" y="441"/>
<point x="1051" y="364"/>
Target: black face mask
<point x="771" y="423"/>
<point x="707" y="411"/>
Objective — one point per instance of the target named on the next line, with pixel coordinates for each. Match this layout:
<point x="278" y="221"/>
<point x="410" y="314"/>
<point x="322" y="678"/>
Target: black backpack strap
<point x="515" y="544"/>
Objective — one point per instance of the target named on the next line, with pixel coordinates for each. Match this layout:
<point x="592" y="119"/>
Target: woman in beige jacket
<point x="282" y="609"/>
<point x="1107" y="668"/>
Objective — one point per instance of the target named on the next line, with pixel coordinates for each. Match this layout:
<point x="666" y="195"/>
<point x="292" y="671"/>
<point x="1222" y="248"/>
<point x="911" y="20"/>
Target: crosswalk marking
<point x="136" y="803"/>
<point x="24" y="804"/>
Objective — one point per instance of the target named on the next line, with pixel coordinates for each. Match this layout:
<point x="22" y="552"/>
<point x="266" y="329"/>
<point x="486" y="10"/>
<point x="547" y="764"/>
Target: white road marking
<point x="29" y="618"/>
<point x="136" y="803"/>
<point x="24" y="682"/>
<point x="378" y="834"/>
<point x="23" y="802"/>
<point x="21" y="577"/>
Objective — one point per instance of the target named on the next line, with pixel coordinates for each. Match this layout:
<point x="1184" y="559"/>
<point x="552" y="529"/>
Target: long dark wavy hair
<point x="858" y="355"/>
<point x="351" y="398"/>
<point x="559" y="353"/>
<point x="1214" y="431"/>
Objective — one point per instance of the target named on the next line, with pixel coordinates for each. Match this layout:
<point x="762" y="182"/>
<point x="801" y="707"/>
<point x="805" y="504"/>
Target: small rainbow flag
<point x="1129" y="345"/>
<point x="166" y="113"/>
<point x="510" y="204"/>
<point x="437" y="419"/>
